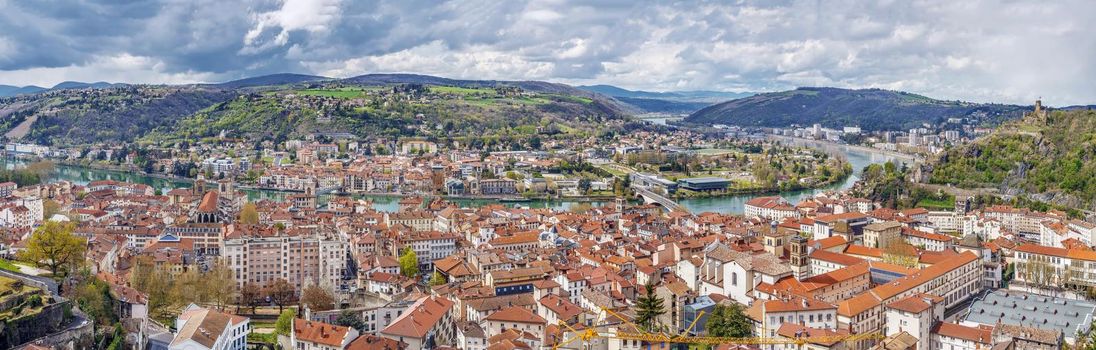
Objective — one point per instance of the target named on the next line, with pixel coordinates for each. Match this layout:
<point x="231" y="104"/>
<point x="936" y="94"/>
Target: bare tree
<point x="249" y="295"/>
<point x="280" y="292"/>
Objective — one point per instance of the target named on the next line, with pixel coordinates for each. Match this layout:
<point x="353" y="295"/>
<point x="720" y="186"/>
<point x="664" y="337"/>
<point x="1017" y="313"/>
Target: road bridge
<point x="652" y="197"/>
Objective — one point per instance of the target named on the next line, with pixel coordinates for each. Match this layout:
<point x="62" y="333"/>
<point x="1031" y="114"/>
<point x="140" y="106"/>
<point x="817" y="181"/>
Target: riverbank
<point x="120" y="169"/>
<point x="858" y="158"/>
<point x="824" y="143"/>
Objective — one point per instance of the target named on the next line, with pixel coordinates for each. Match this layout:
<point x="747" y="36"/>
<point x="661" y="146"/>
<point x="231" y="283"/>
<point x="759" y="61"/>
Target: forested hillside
<point x="278" y="107"/>
<point x="1054" y="161"/>
<point x="871" y="109"/>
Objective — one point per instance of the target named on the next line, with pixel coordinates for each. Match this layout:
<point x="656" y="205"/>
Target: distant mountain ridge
<point x="672" y="102"/>
<point x="8" y="90"/>
<point x="680" y="96"/>
<point x="407" y="78"/>
<point x="272" y="79"/>
<point x="870" y="109"/>
<point x="82" y="85"/>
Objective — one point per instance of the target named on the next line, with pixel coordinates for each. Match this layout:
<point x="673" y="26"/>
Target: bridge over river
<point x="653" y="197"/>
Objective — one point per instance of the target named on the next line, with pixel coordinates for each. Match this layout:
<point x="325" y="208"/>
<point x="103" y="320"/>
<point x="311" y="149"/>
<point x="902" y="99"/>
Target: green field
<point x="575" y="99"/>
<point x="460" y="90"/>
<point x="932" y="203"/>
<point x="8" y="265"/>
<point x="337" y="93"/>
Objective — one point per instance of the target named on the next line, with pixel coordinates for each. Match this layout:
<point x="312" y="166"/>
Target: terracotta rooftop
<point x="319" y="332"/>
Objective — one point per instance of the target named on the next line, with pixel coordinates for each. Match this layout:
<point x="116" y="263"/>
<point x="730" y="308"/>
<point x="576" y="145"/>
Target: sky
<point x="983" y="51"/>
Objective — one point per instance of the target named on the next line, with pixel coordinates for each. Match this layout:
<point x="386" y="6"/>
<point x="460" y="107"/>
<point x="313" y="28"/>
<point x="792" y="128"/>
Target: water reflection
<point x="729" y="204"/>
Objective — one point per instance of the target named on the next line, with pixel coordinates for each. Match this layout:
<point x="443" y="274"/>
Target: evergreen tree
<point x="648" y="308"/>
<point x="729" y="321"/>
<point x="350" y="319"/>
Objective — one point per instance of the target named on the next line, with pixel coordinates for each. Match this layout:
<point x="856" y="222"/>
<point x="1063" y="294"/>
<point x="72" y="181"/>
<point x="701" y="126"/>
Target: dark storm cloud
<point x="979" y="50"/>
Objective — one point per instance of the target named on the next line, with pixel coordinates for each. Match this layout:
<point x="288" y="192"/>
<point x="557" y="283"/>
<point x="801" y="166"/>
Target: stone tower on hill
<point x="1039" y="115"/>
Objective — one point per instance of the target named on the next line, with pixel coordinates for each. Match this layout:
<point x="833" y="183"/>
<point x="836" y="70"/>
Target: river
<point x="859" y="158"/>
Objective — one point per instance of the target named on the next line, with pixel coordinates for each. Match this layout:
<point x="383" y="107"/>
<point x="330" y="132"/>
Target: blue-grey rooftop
<point x="699" y="180"/>
<point x="1069" y="316"/>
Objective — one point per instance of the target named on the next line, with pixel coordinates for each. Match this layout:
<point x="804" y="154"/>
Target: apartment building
<point x="429" y="246"/>
<point x="261" y="256"/>
<point x="1051" y="266"/>
<point x="954" y="280"/>
<point x="771" y="208"/>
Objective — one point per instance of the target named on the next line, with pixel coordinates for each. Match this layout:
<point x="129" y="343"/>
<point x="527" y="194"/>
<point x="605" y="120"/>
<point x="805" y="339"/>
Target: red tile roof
<point x="419" y="318"/>
<point x="319" y="332"/>
<point x="982" y="334"/>
<point x="209" y="202"/>
<point x="516" y="314"/>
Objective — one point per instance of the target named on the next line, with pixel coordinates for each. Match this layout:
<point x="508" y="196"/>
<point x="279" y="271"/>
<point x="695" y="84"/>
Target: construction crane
<point x="590" y="333"/>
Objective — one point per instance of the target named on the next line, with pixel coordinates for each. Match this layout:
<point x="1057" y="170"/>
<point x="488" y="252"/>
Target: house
<point x="516" y="318"/>
<point x="735" y="274"/>
<point x="313" y="335"/>
<point x="880" y="234"/>
<point x="915" y="315"/>
<point x="372" y="342"/>
<point x="201" y="329"/>
<point x="426" y="324"/>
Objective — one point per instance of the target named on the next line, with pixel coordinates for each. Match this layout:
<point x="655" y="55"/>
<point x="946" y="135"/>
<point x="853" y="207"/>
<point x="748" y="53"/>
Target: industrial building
<point x="704" y="184"/>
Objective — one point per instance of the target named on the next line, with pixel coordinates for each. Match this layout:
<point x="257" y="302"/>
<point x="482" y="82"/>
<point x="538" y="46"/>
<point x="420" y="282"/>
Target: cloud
<point x="982" y="50"/>
<point x="273" y="28"/>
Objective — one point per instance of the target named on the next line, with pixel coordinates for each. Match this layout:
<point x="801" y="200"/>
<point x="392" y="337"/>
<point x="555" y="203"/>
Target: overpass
<point x="652" y="197"/>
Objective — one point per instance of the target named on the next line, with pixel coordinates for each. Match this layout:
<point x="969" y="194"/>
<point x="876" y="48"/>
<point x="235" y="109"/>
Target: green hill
<point x="871" y="109"/>
<point x="1052" y="161"/>
<point x="282" y="106"/>
<point x="397" y="110"/>
<point x="109" y="115"/>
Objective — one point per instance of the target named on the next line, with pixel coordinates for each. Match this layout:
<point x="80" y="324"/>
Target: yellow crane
<point x="590" y="333"/>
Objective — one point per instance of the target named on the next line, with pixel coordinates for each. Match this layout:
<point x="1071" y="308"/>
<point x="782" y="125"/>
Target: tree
<point x="54" y="246"/>
<point x="249" y="215"/>
<point x="409" y="263"/>
<point x="280" y="292"/>
<point x="729" y="321"/>
<point x="764" y="173"/>
<point x="350" y="319"/>
<point x="285" y="322"/>
<point x="581" y="208"/>
<point x="249" y="295"/>
<point x="43" y="168"/>
<point x="220" y="285"/>
<point x="93" y="297"/>
<point x="437" y="279"/>
<point x="157" y="284"/>
<point x="50" y="208"/>
<point x="188" y="287"/>
<point x="648" y="308"/>
<point x="900" y="252"/>
<point x="318" y="298"/>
